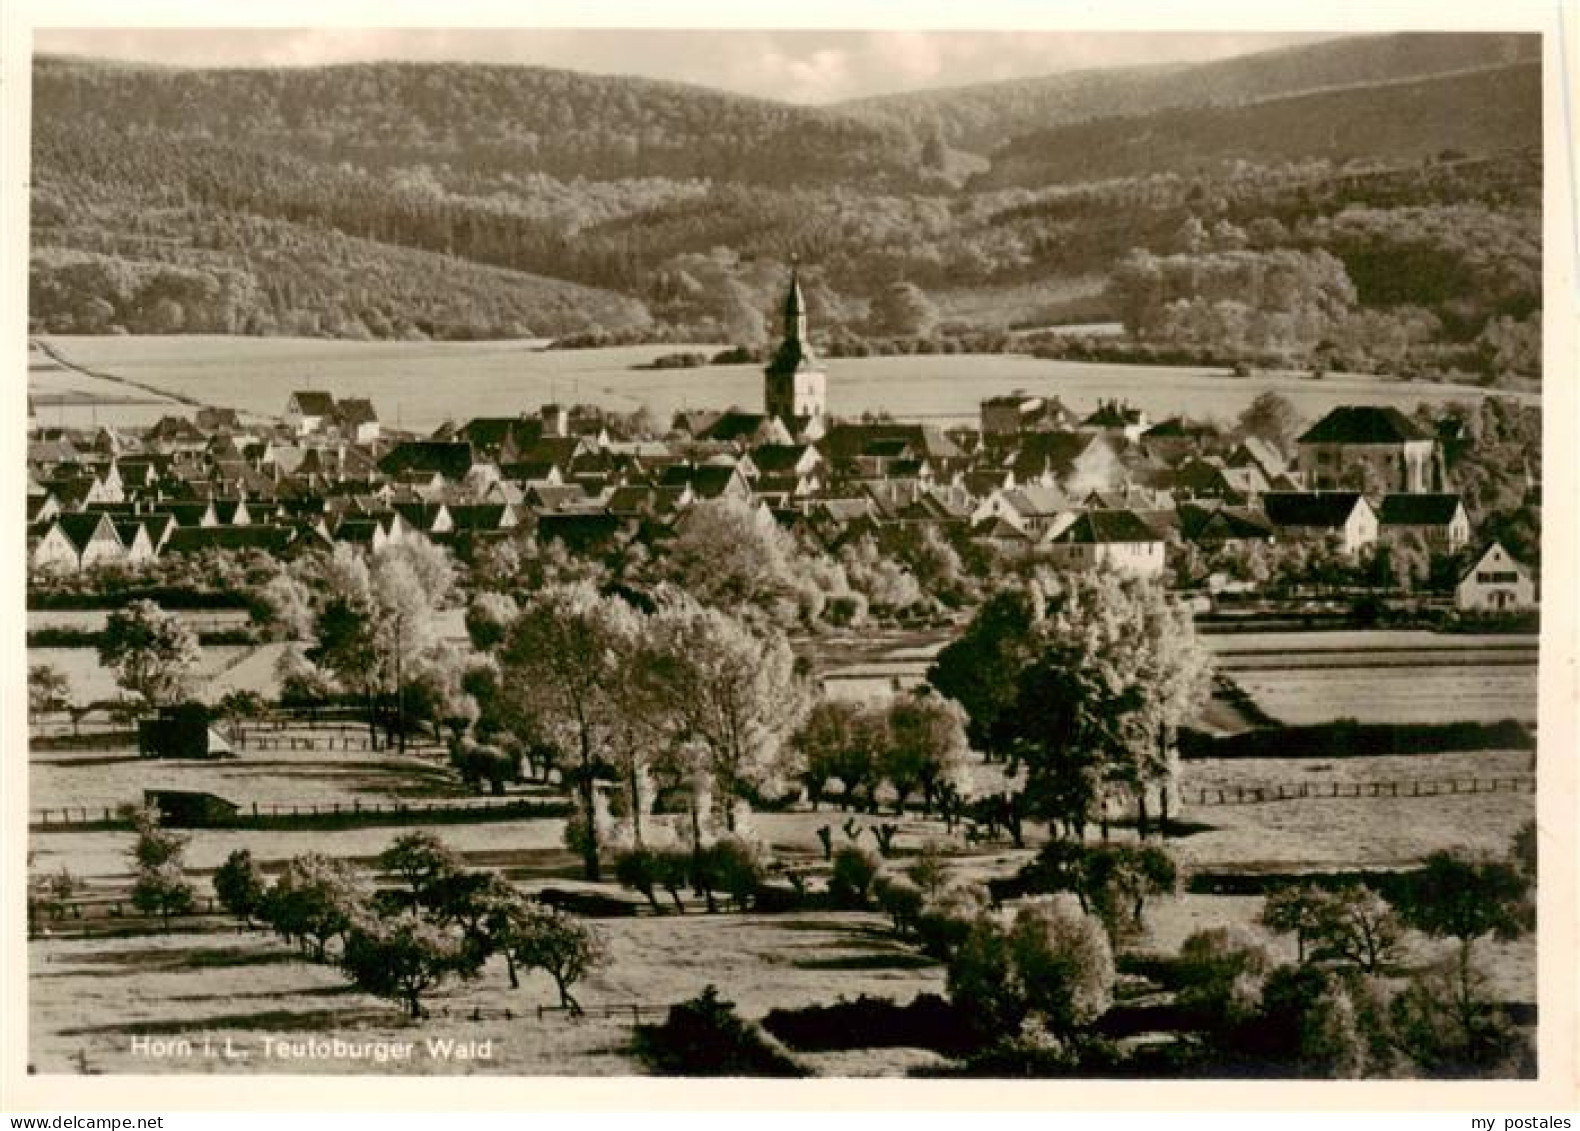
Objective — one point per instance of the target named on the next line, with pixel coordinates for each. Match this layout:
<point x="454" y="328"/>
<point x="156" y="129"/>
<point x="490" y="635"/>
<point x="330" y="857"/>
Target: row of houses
<point x="1107" y="488"/>
<point x="1087" y="495"/>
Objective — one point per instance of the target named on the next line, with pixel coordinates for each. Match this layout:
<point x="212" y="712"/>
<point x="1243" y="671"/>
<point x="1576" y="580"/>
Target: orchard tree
<point x="488" y="620"/>
<point x="732" y="693"/>
<point x="561" y="665"/>
<point x="420" y="860"/>
<point x="542" y="938"/>
<point x="840" y="740"/>
<point x="1114" y="667"/>
<point x="152" y="653"/>
<point x="927" y="747"/>
<point x="1467" y="898"/>
<point x="48" y="691"/>
<point x="732" y="555"/>
<point x="979" y="670"/>
<point x="240" y="886"/>
<point x="402" y="957"/>
<point x="163" y="890"/>
<point x="313" y="901"/>
<point x="1049" y="961"/>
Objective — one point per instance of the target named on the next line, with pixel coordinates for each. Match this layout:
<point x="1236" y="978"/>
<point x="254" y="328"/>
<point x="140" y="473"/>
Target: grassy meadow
<point x="420" y="385"/>
<point x="209" y="979"/>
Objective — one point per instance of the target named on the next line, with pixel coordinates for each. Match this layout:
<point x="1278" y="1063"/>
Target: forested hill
<point x="1469" y="112"/>
<point x="462" y="201"/>
<point x="982" y="117"/>
<point x="484" y="123"/>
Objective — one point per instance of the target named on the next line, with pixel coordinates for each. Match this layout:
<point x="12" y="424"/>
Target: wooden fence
<point x="75" y="816"/>
<point x="1331" y="790"/>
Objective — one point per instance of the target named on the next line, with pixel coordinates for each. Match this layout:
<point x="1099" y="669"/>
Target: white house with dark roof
<point x="1439" y="520"/>
<point x="308" y="411"/>
<point x="1109" y="539"/>
<point x="74" y="542"/>
<point x="1497" y="583"/>
<point x="1345" y="515"/>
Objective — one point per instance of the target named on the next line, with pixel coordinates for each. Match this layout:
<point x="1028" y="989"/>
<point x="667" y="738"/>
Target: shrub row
<point x="1346" y="738"/>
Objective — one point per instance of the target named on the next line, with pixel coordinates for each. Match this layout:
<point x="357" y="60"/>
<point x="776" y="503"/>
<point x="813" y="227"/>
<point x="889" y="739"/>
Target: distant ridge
<point x="982" y="117"/>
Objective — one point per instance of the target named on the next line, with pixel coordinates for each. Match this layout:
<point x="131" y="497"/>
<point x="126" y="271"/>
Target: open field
<point x="93" y="995"/>
<point x="420" y="385"/>
<point x="93" y="620"/>
<point x="106" y="778"/>
<point x="92" y="682"/>
<point x="1405" y="694"/>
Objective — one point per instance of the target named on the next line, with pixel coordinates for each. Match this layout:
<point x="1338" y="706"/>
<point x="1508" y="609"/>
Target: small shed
<point x="184" y="809"/>
<point x="182" y="731"/>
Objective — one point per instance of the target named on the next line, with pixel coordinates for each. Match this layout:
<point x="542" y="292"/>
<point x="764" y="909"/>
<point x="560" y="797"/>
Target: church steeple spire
<point x="795" y="309"/>
<point x="795" y="385"/>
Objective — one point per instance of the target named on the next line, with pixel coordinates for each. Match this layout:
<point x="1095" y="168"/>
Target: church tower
<point x="794" y="384"/>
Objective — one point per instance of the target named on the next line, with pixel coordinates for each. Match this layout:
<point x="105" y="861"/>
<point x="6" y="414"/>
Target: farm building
<point x="179" y="808"/>
<point x="181" y="731"/>
<point x="1496" y="583"/>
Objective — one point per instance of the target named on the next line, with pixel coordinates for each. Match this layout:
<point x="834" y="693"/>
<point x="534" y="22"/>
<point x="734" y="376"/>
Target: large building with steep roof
<point x="1361" y="447"/>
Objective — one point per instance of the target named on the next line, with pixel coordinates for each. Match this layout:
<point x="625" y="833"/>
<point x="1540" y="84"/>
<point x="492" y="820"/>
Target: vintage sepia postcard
<point x="846" y="551"/>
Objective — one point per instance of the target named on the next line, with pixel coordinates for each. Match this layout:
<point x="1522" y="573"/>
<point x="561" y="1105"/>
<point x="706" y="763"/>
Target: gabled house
<point x="483" y="518"/>
<point x="1173" y="439"/>
<point x="1496" y="583"/>
<point x="1075" y="462"/>
<point x="1439" y="520"/>
<point x="1210" y="479"/>
<point x="1031" y="510"/>
<point x="1213" y="525"/>
<point x="308" y="411"/>
<point x="191" y="513"/>
<point x="133" y="533"/>
<point x="786" y="459"/>
<point x="75" y="542"/>
<point x="1109" y="539"/>
<point x="452" y="461"/>
<point x="708" y="481"/>
<point x="1253" y="451"/>
<point x="232" y="512"/>
<point x="426" y="518"/>
<point x="356" y="420"/>
<point x="1345" y="515"/>
<point x="210" y="418"/>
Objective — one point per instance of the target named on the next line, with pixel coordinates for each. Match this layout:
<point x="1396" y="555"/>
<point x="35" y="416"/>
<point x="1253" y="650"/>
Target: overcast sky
<point x="795" y="66"/>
